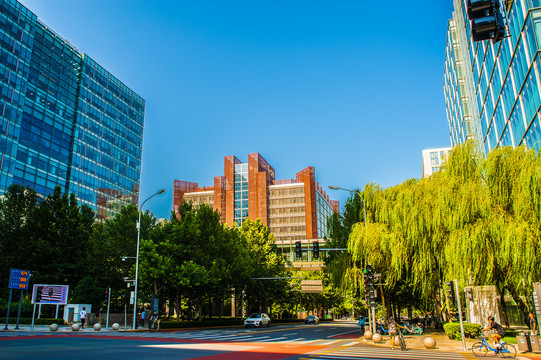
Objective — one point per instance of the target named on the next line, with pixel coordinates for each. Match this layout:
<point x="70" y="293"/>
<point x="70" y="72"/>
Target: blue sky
<point x="353" y="88"/>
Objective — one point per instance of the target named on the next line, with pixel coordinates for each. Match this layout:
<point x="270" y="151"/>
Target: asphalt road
<point x="336" y="341"/>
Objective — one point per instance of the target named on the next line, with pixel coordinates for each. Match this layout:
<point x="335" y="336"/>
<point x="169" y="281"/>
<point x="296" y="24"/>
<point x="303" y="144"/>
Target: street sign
<point x="19" y="279"/>
<point x="50" y="294"/>
<point x="312" y="286"/>
<point x="154" y="305"/>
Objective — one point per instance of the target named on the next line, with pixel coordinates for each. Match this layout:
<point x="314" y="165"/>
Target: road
<point x="336" y="341"/>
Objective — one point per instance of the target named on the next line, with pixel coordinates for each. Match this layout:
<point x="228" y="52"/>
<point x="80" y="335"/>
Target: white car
<point x="257" y="320"/>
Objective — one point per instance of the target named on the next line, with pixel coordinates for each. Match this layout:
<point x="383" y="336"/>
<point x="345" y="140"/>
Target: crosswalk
<point x="236" y="336"/>
<point x="369" y="352"/>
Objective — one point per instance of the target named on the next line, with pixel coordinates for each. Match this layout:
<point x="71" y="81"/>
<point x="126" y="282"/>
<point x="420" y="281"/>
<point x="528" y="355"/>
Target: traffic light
<point x="369" y="283"/>
<point x="124" y="299"/>
<point x="298" y="250"/>
<point x="369" y="276"/>
<point x="315" y="249"/>
<point x="106" y="296"/>
<point x="486" y="20"/>
<point x="39" y="289"/>
<point x="451" y="291"/>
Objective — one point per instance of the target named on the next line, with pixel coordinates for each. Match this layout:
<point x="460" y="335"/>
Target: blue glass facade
<point x="241" y="193"/>
<point x="64" y="119"/>
<point x="492" y="90"/>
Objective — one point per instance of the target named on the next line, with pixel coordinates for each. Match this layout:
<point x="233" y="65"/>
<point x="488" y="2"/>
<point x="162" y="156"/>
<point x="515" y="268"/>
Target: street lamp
<point x="373" y="322"/>
<point x="161" y="191"/>
<point x="333" y="187"/>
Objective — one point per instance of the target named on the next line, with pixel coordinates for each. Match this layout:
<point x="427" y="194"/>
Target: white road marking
<point x="218" y="347"/>
<point x="273" y="339"/>
<point x="329" y="342"/>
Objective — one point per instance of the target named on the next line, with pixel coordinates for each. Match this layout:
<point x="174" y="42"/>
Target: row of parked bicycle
<point x="405" y="328"/>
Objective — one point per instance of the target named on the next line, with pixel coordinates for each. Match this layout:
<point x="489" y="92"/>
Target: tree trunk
<point x="504" y="308"/>
<point x="520" y="303"/>
<point x="200" y="308"/>
<point x="177" y="304"/>
<point x="221" y="309"/>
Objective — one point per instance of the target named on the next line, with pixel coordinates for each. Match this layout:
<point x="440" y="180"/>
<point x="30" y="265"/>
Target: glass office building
<point x="64" y="120"/>
<point x="492" y="90"/>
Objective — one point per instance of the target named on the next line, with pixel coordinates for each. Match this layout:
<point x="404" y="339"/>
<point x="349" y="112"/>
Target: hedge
<point x="42" y="321"/>
<point x="470" y="330"/>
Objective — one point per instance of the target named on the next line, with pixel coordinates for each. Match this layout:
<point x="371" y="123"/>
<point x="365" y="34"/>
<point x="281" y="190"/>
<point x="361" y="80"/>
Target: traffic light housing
<point x="106" y="296"/>
<point x="487" y="21"/>
<point x="369" y="283"/>
<point x="298" y="250"/>
<point x="451" y="291"/>
<point x="369" y="276"/>
<point x="315" y="249"/>
<point x="39" y="289"/>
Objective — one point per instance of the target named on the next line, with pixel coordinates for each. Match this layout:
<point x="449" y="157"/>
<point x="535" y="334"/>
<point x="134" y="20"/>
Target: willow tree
<point x="404" y="241"/>
<point x="496" y="238"/>
<point x="477" y="221"/>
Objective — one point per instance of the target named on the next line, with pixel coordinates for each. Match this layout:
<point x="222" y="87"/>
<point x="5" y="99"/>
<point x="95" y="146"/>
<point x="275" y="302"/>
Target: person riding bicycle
<point x="499" y="331"/>
<point x="362" y="323"/>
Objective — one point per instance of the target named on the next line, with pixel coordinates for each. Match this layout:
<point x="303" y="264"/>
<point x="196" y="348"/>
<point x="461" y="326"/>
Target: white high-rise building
<point x="434" y="159"/>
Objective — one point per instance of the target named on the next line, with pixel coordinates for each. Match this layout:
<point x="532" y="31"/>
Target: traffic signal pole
<point x="373" y="319"/>
<point x="108" y="302"/>
<point x="457" y="294"/>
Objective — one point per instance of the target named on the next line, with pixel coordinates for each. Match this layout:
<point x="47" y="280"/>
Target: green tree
<point x="263" y="262"/>
<point x="59" y="232"/>
<point x="477" y="221"/>
<point x="15" y="245"/>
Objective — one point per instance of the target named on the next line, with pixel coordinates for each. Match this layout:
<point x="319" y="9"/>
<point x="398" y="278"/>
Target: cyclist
<point x="499" y="331"/>
<point x="362" y="322"/>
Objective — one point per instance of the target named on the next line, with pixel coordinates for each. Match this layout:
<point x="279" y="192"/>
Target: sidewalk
<point x="443" y="343"/>
<point x="63" y="329"/>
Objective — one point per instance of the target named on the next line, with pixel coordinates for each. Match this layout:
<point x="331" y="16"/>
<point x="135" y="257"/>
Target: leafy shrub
<point x="471" y="331"/>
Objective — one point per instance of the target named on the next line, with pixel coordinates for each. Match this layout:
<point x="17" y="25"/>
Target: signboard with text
<point x="19" y="279"/>
<point x="154" y="305"/>
<point x="312" y="286"/>
<point x="50" y="294"/>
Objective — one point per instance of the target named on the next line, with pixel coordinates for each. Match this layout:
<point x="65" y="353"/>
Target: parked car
<point x="257" y="320"/>
<point x="312" y="320"/>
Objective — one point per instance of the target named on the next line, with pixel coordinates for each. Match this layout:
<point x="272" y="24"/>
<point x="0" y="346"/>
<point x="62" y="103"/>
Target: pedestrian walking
<point x="83" y="317"/>
<point x="533" y="324"/>
<point x="155" y="322"/>
<point x="98" y="315"/>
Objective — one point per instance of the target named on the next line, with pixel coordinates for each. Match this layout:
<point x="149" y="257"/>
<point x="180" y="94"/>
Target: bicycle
<point x="415" y="330"/>
<point x="402" y="341"/>
<point x="382" y="330"/>
<point x="481" y="348"/>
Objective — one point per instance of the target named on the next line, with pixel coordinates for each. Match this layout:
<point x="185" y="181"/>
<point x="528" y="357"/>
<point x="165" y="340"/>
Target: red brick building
<point x="293" y="209"/>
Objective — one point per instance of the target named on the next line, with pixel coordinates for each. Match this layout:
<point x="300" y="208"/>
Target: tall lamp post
<point x="161" y="191"/>
<point x="352" y="191"/>
<point x="373" y="323"/>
